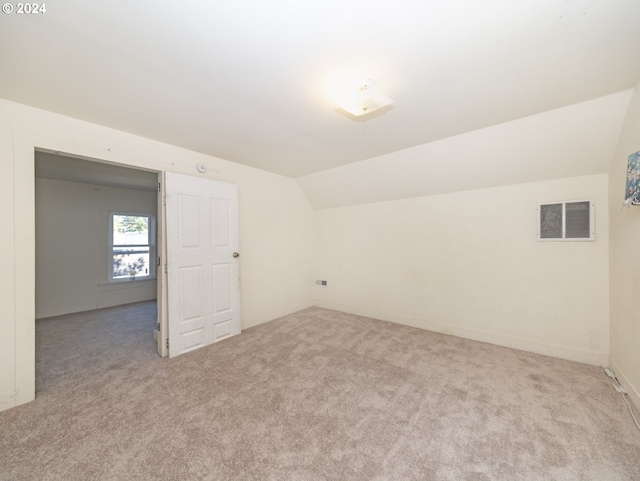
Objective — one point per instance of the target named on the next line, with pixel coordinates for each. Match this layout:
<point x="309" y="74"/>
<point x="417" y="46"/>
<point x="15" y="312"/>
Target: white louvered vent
<point x="566" y="221"/>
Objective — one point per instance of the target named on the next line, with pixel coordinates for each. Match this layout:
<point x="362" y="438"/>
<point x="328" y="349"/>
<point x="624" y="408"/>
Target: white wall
<point x="469" y="264"/>
<point x="72" y="253"/>
<point x="625" y="260"/>
<point x="276" y="227"/>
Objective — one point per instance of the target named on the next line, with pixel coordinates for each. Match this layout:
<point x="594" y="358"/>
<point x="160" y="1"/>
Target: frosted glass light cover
<point x="363" y="100"/>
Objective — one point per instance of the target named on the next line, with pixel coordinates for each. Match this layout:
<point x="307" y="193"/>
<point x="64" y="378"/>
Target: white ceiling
<point x="244" y="80"/>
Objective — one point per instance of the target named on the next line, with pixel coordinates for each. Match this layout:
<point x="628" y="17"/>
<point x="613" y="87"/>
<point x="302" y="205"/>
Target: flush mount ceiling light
<point x="360" y="98"/>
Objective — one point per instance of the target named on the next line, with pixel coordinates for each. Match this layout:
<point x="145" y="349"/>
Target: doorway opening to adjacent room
<point x="105" y="235"/>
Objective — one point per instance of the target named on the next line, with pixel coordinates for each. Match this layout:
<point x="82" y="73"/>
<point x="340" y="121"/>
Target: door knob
<point x="235" y="254"/>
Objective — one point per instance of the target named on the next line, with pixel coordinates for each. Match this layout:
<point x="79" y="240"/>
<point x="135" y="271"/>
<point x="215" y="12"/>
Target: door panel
<point x="189" y="221"/>
<point x="221" y="228"/>
<point x="222" y="297"/>
<point x="202" y="273"/>
<point x="191" y="294"/>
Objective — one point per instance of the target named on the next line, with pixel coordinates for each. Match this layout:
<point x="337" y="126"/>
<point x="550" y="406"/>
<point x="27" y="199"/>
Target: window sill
<point x="125" y="283"/>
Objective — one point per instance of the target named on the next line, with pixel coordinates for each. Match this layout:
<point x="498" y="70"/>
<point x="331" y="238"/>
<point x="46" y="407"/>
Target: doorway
<point x="78" y="266"/>
<point x="19" y="352"/>
<point x="99" y="241"/>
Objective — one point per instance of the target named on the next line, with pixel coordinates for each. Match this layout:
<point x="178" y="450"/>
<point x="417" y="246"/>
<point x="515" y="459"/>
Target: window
<point x="566" y="221"/>
<point x="131" y="246"/>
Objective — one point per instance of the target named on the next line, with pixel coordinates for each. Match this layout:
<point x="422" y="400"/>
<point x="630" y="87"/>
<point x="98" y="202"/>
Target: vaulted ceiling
<point x="245" y="80"/>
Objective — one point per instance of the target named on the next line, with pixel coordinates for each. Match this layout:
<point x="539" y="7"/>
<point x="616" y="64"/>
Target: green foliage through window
<point x="130" y="223"/>
<point x="131" y="246"/>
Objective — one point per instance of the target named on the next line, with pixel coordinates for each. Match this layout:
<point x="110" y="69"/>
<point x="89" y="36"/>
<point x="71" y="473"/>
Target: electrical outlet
<point x="321" y="283"/>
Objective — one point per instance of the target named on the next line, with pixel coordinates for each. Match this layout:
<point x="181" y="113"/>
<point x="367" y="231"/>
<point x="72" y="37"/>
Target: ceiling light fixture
<point x="361" y="98"/>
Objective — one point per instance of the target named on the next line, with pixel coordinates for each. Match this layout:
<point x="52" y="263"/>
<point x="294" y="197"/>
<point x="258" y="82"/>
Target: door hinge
<point x="167" y="343"/>
<point x="164" y="200"/>
<point x="158" y="186"/>
<point x="166" y="269"/>
<point x="158" y="261"/>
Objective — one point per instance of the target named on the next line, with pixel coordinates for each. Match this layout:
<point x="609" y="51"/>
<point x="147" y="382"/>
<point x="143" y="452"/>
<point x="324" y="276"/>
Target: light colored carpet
<point x="316" y="395"/>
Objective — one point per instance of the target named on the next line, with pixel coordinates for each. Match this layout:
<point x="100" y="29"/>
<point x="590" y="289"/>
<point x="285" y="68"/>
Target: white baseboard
<point x="60" y="309"/>
<point x="562" y="352"/>
<point x="109" y="296"/>
<point x="632" y="391"/>
<point x="275" y="313"/>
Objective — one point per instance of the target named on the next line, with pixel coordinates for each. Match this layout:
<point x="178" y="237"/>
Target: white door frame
<point x="18" y="347"/>
<point x="161" y="272"/>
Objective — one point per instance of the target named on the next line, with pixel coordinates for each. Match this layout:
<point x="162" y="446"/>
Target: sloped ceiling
<point x="568" y="142"/>
<point x="245" y="81"/>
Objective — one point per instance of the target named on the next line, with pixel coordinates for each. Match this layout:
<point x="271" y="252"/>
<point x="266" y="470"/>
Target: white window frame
<point x="564" y="238"/>
<point x="152" y="247"/>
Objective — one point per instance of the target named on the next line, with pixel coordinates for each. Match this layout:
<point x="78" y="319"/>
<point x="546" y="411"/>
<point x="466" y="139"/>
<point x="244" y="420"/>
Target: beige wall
<point x="276" y="225"/>
<point x="72" y="252"/>
<point x="469" y="264"/>
<point x="625" y="260"/>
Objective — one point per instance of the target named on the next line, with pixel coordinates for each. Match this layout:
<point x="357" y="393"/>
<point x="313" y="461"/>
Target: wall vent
<point x="566" y="221"/>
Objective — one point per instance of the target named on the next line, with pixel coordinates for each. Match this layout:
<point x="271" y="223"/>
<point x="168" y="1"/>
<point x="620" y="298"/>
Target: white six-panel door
<point x="203" y="272"/>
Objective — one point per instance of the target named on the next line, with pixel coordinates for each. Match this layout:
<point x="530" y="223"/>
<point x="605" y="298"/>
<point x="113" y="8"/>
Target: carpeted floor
<point x="316" y="395"/>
